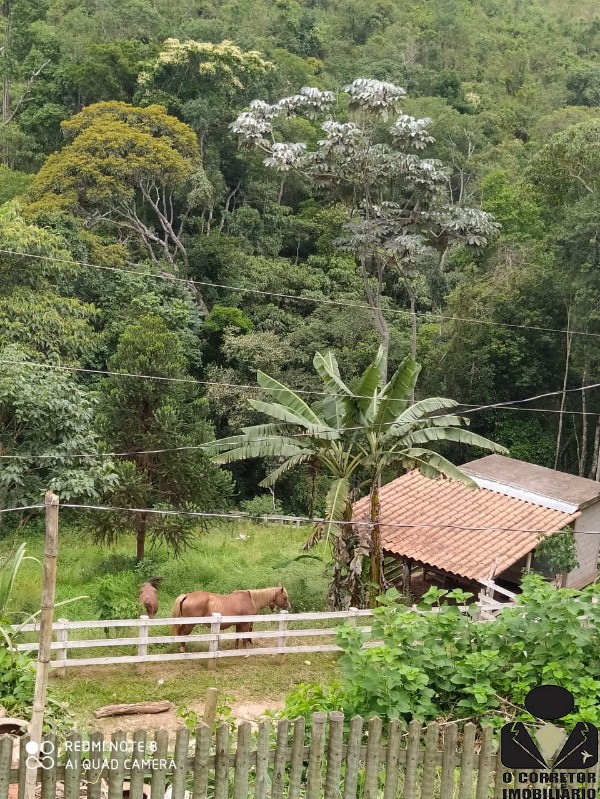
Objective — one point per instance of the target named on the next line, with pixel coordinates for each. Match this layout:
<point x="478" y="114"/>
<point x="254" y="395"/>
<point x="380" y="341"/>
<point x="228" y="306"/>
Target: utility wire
<point x="298" y="298"/>
<point x="193" y="381"/>
<point x="306" y="519"/>
<point x="467" y="409"/>
<point x="299" y="519"/>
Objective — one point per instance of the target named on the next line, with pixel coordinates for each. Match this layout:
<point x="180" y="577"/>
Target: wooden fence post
<point x="210" y="707"/>
<point x="334" y="754"/>
<point x="62" y="635"/>
<point x="142" y="649"/>
<point x="242" y="761"/>
<point x="353" y="757"/>
<point x="283" y="622"/>
<point x="213" y="646"/>
<point x="372" y="758"/>
<point x="296" y="762"/>
<point x="315" y="757"/>
<point x="44" y="649"/>
<point x="182" y="741"/>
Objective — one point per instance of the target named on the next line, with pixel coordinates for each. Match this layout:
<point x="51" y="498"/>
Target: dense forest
<point x="142" y="235"/>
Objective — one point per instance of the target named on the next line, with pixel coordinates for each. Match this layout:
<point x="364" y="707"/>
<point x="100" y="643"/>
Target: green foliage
<point x="556" y="554"/>
<point x="17" y="681"/>
<point x="148" y="415"/>
<point x="12" y="183"/>
<point x="262" y="505"/>
<point x="443" y="664"/>
<point x="116" y="157"/>
<point x="115" y="597"/>
<point x="45" y="412"/>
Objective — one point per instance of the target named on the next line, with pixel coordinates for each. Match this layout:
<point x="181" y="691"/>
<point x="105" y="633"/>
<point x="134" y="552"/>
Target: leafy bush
<point x="556" y="554"/>
<point x="116" y="597"/>
<point x="443" y="664"/>
<point x="17" y="681"/>
<point x="262" y="505"/>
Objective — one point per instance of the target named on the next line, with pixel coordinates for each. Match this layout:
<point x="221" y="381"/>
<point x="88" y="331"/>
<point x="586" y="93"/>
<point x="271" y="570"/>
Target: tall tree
<point x="135" y="169"/>
<point x="45" y="419"/>
<point x="354" y="434"/>
<point x="400" y="205"/>
<point x="141" y="416"/>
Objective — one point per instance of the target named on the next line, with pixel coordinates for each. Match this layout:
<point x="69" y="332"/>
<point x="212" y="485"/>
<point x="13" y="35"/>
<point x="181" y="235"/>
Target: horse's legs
<point x="184" y="629"/>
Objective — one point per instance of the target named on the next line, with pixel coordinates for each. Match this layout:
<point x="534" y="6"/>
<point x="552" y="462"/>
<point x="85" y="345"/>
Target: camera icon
<point x="40" y="755"/>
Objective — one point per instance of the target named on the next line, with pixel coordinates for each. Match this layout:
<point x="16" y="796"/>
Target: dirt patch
<point x="242" y="711"/>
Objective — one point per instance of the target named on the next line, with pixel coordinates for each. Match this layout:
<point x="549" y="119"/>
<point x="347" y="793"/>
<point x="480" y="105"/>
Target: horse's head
<point x="280" y="599"/>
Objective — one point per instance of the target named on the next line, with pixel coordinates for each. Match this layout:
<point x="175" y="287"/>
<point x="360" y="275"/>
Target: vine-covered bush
<point x="446" y="665"/>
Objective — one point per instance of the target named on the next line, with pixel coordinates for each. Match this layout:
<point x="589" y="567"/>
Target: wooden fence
<point x="286" y="626"/>
<point x="439" y="761"/>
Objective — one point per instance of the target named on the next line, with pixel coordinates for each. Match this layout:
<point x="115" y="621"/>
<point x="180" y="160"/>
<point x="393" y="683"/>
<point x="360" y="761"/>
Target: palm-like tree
<point x="352" y="431"/>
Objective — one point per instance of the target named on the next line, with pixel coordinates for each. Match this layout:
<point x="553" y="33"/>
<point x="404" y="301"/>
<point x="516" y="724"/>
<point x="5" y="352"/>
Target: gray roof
<point x="538" y="480"/>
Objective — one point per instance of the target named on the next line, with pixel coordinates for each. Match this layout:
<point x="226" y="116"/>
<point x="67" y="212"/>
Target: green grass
<point x="255" y="679"/>
<point x="221" y="561"/>
<point x="228" y="557"/>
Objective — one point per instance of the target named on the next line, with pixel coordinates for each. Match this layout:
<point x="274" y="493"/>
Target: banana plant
<point x="350" y="431"/>
<point x="9" y="570"/>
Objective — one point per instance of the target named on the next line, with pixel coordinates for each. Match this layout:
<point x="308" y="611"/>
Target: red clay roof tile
<point x="436" y="510"/>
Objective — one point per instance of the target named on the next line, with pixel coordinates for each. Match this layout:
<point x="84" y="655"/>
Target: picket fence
<point x="66" y="637"/>
<point x="284" y="760"/>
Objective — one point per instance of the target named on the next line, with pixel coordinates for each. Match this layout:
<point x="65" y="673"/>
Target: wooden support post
<point x="142" y="649"/>
<point x="210" y="707"/>
<point x="283" y="622"/>
<point x="213" y="646"/>
<point x="62" y="635"/>
<point x="44" y="650"/>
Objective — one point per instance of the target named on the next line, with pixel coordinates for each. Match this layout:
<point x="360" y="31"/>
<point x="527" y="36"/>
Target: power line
<point x="195" y="447"/>
<point x="299" y="519"/>
<point x="309" y="520"/>
<point x="314" y="392"/>
<point x="298" y="298"/>
<point x="24" y="507"/>
<point x="507" y="405"/>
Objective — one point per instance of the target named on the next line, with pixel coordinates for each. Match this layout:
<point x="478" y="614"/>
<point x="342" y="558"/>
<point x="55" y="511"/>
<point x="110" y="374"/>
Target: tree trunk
<point x="141" y="526"/>
<point x="413" y="338"/>
<point x="563" y="398"/>
<point x="381" y="324"/>
<point x="4" y="61"/>
<point x="376" y="570"/>
<point x="584" y="423"/>
<point x="594" y="473"/>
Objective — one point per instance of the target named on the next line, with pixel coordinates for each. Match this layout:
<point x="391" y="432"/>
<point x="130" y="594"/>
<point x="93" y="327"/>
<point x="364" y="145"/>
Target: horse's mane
<point x="154" y="581"/>
<point x="261" y="597"/>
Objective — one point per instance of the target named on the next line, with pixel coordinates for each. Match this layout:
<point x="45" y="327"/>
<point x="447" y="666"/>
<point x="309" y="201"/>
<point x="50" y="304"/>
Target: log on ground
<point x="136" y="709"/>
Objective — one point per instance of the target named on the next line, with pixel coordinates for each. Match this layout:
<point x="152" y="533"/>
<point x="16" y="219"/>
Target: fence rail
<point x="277" y="761"/>
<point x="278" y="639"/>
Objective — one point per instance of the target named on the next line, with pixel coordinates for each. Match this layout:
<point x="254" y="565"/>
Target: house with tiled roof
<point x="445" y="528"/>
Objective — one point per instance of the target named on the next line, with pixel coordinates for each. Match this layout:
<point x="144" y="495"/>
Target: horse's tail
<point x="176" y="612"/>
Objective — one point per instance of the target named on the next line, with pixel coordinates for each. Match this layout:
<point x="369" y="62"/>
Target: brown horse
<point x="148" y="596"/>
<point x="240" y="603"/>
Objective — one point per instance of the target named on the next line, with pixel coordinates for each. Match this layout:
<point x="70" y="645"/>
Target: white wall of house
<point x="587" y="548"/>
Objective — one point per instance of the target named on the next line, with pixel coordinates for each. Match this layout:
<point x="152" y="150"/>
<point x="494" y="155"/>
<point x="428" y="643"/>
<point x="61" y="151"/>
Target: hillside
<point x="139" y="236"/>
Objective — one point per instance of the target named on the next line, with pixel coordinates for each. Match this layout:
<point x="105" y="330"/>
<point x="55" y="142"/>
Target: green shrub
<point x="443" y="664"/>
<point x="262" y="505"/>
<point x="116" y="595"/>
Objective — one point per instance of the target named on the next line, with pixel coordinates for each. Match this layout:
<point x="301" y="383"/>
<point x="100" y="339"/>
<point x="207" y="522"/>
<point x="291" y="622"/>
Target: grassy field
<point x="228" y="557"/>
